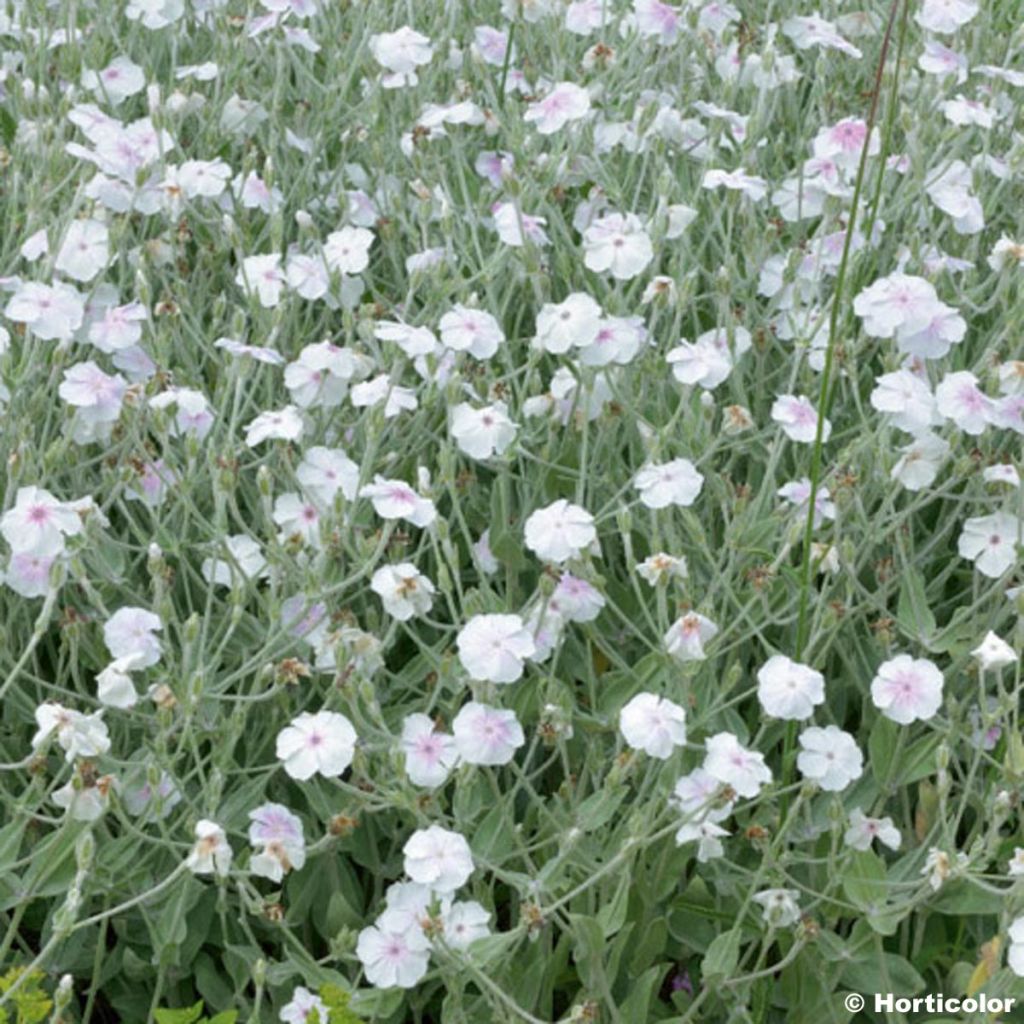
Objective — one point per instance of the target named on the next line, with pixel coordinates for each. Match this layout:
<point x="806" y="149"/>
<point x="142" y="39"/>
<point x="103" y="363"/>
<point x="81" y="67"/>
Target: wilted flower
<point x="212" y="852"/>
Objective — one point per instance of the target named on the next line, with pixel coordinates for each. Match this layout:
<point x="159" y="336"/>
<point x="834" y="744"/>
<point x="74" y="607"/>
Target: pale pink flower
<point x="729" y="762"/>
<point x="799" y="419"/>
<point x="486" y="735"/>
<point x="566" y="102"/>
<point x="430" y="755"/>
<point x="907" y="690"/>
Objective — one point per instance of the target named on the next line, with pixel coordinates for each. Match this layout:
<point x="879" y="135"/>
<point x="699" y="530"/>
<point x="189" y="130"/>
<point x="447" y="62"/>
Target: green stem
<point x="825" y="393"/>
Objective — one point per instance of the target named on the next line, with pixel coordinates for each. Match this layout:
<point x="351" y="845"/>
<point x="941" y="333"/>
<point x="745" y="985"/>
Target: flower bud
<point x="85" y="848"/>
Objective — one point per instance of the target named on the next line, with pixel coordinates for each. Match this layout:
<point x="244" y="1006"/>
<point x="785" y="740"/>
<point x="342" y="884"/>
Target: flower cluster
<point x="512" y="511"/>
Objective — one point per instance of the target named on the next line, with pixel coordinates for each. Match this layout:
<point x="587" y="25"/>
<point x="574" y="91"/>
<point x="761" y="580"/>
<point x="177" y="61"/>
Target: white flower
<point x="114" y="686"/>
<point x="789" y="690"/>
<point x="192" y="411"/>
<point x="84" y="251"/>
<point x="97" y="398"/>
<point x="28" y="574"/>
<point x="618" y="340"/>
<point x="958" y="398"/>
<point x="907" y="689"/>
<point x="392" y="953"/>
<point x="920" y="461"/>
<point x="514" y="226"/>
<point x="464" y="922"/>
<point x="991" y="543"/>
<point x="863" y="831"/>
<point x="394" y="499"/>
<point x="1006" y="253"/>
<point x="1015" y="954"/>
<point x="779" y="906"/>
<point x="154" y="14"/>
<point x="736" y="181"/>
<point x="945" y="16"/>
<point x="1001" y="473"/>
<point x="438" y="858"/>
<point x="699" y="796"/>
<point x="564" y="103"/>
<point x="475" y="331"/>
<point x="572" y="323"/>
<point x="51" y="312"/>
<point x="728" y="761"/>
<point x="657" y="20"/>
<point x="413" y="341"/>
<point x="404" y="590"/>
<point x="951" y="193"/>
<point x="962" y="112"/>
<point x="994" y="652"/>
<point x="324" y="472"/>
<point x="482" y="433"/>
<point x="78" y="735"/>
<point x="653" y="724"/>
<point x="494" y="647"/>
<point x="211" y="853"/>
<point x="939" y="866"/>
<point x="38" y="523"/>
<point x="245" y="561"/>
<point x="906" y="399"/>
<point x="709" y="360"/>
<point x="686" y="637"/>
<point x="322" y="743"/>
<point x="799" y="419"/>
<point x="302" y="1004"/>
<point x="559" y="531"/>
<point x="814" y="30"/>
<point x="1015" y="867"/>
<point x="829" y="757"/>
<point x="708" y="837"/>
<point x="937" y="59"/>
<point x="401" y="53"/>
<point x="119" y="328"/>
<point x="486" y="735"/>
<point x="575" y="599"/>
<point x="277" y="836"/>
<point x="661" y="567"/>
<point x="321" y="375"/>
<point x="382" y="389"/>
<point x="281" y="424"/>
<point x="298" y="518"/>
<point x="348" y="250"/>
<point x="131" y="631"/>
<point x="430" y="755"/>
<point x="85" y="801"/>
<point x="263" y="276"/>
<point x="671" y="483"/>
<point x="120" y="79"/>
<point x="617" y="244"/>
